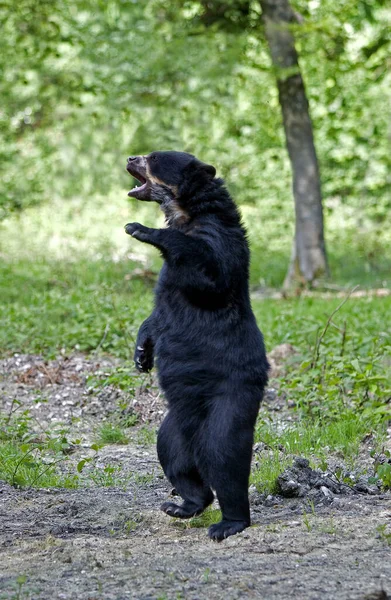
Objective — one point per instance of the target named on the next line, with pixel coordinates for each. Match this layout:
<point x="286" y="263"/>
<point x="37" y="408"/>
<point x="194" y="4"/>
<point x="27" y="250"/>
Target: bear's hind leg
<point x="179" y="467"/>
<point x="229" y="476"/>
<point x="196" y="495"/>
<point x="235" y="517"/>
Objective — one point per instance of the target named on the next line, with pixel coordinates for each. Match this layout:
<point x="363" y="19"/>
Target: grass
<point x="29" y="460"/>
<point x="319" y="438"/>
<point x="316" y="440"/>
<point x="110" y="433"/>
<point x="209" y="517"/>
<point x="145" y="436"/>
<point x="98" y="306"/>
<point x="82" y="306"/>
<point x="25" y="465"/>
<point x="384" y="534"/>
<point x="92" y="228"/>
<point x="108" y="476"/>
<point x="265" y="472"/>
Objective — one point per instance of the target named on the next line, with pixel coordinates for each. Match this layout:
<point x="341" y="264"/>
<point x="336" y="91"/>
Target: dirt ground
<point x="113" y="543"/>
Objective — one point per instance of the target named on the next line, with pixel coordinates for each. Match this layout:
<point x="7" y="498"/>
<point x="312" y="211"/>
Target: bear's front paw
<point x="143" y="359"/>
<point x="136" y="230"/>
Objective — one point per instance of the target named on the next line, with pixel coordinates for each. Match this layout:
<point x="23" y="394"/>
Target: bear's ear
<point x="209" y="169"/>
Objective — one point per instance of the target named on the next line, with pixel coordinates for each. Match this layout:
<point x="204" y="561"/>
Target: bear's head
<point x="172" y="179"/>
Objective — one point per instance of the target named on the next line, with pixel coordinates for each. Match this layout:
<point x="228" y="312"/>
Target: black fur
<point x="209" y="351"/>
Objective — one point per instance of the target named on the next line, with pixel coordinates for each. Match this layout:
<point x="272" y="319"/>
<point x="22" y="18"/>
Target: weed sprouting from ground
<point x="266" y="470"/>
<point x="328" y="526"/>
<point x="382" y="469"/>
<point x="108" y="476"/>
<point x="31" y="460"/>
<point x="384" y="534"/>
<point x="210" y="516"/>
<point x="207" y="518"/>
<point x="307" y="521"/>
<point x="123" y="378"/>
<point x="29" y="465"/>
<point x="110" y="433"/>
<point x="20" y="592"/>
<point x="145" y="436"/>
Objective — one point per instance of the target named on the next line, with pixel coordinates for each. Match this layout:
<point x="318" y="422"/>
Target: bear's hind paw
<point x="220" y="531"/>
<point x="181" y="512"/>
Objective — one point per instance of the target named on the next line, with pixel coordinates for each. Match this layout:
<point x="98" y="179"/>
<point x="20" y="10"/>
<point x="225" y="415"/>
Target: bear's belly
<point x="207" y="361"/>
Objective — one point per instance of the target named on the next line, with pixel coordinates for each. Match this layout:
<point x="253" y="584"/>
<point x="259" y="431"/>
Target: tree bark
<point x="308" y="260"/>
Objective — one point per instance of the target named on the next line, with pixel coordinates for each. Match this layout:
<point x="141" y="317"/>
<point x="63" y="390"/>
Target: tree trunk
<point x="309" y="260"/>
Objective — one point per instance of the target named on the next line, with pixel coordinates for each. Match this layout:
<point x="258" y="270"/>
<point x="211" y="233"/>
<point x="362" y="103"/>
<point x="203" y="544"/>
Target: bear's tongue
<point x="138" y="188"/>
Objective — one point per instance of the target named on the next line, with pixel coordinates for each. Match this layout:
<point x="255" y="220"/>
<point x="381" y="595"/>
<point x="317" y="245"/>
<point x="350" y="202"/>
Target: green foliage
<point x="384" y="534"/>
<point x="31" y="460"/>
<point x="207" y="518"/>
<point x="84" y="84"/>
<point x="20" y="592"/>
<point x="27" y="459"/>
<point x="108" y="476"/>
<point x="316" y="440"/>
<point x="339" y="386"/>
<point x="146" y="436"/>
<point x="120" y="377"/>
<point x="132" y="524"/>
<point x="319" y="438"/>
<point x="382" y="470"/>
<point x="52" y="306"/>
<point x="383" y="473"/>
<point x="265" y="471"/>
<point x="340" y="397"/>
<point x="348" y="369"/>
<point x="210" y="516"/>
<point x="84" y="307"/>
<point x="110" y="433"/>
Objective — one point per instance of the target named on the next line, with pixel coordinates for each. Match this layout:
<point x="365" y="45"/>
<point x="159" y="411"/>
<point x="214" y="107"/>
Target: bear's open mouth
<point x="143" y="185"/>
<point x="137" y="169"/>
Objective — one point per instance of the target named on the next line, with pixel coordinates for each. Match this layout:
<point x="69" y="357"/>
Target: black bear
<point x="209" y="351"/>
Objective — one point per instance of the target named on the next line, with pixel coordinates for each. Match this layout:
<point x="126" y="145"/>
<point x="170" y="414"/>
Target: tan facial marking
<point x="174" y="213"/>
<point x="158" y="181"/>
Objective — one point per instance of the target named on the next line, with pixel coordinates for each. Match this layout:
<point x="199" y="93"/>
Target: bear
<point x="202" y="333"/>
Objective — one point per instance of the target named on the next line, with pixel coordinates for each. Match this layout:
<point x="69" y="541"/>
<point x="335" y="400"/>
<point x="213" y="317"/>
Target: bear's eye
<point x="154" y="157"/>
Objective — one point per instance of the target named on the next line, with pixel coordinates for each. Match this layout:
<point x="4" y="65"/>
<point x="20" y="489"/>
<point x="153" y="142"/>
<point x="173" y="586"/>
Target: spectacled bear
<point x="209" y="351"/>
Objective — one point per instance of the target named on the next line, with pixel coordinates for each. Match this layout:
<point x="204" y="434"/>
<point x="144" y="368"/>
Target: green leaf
<point x="356" y="364"/>
<point x="80" y="465"/>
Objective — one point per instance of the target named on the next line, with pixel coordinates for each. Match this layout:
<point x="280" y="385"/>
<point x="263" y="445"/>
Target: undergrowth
<point x="98" y="306"/>
<point x="45" y="459"/>
<point x="28" y="459"/>
<point x="110" y="433"/>
<point x="339" y="384"/>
